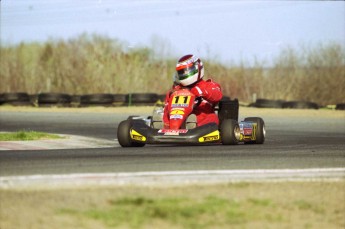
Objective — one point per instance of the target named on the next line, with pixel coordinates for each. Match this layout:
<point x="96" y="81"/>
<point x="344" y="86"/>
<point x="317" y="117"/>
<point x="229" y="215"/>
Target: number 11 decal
<point x="181" y="99"/>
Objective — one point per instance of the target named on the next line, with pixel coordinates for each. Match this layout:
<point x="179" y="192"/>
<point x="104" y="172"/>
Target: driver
<point x="189" y="74"/>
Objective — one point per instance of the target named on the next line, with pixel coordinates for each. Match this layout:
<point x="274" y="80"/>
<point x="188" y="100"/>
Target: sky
<point x="227" y="31"/>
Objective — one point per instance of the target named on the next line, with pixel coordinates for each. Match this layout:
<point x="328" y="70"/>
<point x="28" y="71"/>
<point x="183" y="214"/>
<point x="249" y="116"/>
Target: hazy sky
<point x="227" y="30"/>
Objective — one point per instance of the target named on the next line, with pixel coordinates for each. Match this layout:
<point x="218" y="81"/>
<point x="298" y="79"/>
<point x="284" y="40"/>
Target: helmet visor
<point x="187" y="72"/>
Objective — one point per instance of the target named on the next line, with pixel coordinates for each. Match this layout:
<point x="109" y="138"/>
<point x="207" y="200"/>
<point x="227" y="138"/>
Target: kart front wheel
<point x="123" y="135"/>
<point x="260" y="134"/>
<point x="230" y="132"/>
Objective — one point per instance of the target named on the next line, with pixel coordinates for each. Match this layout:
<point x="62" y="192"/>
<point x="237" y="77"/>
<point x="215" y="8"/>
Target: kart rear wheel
<point x="230" y="132"/>
<point x="123" y="135"/>
<point x="260" y="130"/>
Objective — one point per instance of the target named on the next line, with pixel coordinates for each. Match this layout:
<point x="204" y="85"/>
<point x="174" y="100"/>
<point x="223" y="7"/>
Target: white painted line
<point x="174" y="177"/>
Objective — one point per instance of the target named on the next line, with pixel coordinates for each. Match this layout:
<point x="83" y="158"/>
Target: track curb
<point x="172" y="178"/>
<point x="66" y="142"/>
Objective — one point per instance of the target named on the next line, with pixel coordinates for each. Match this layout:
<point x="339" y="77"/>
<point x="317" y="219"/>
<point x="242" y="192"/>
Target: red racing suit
<point x="211" y="94"/>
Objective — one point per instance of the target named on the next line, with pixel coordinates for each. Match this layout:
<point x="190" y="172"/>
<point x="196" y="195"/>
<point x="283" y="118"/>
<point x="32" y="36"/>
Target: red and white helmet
<point x="189" y="70"/>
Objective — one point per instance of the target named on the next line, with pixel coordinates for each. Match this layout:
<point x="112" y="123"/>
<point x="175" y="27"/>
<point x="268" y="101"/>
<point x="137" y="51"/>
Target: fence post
<point x="254" y="97"/>
<point x="129" y="99"/>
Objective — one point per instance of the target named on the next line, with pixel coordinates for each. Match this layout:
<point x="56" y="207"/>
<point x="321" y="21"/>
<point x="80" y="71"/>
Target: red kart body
<point x="180" y="107"/>
<point x="138" y="131"/>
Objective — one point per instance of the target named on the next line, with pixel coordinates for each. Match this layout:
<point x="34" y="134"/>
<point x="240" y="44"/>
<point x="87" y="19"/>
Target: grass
<point x="314" y="204"/>
<point x="27" y="136"/>
<point x="182" y="211"/>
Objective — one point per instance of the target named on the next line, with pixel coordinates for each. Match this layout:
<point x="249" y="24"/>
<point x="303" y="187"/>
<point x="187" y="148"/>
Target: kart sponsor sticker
<point x="176" y="116"/>
<point x="177" y="108"/>
<point x="177" y="111"/>
<point x="179" y="105"/>
<point x="248" y="134"/>
<point x="245" y="125"/>
<point x="172" y="132"/>
<point x="136" y="136"/>
<point x="247" y="131"/>
<point x="211" y="137"/>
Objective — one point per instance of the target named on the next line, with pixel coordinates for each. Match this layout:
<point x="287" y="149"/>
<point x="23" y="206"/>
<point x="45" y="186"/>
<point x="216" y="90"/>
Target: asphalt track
<point x="292" y="142"/>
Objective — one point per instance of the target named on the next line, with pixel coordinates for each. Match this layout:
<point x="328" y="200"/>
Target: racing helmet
<point x="189" y="70"/>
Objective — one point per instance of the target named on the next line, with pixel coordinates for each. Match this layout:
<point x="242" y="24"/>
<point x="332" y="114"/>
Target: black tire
<point x="340" y="106"/>
<point x="2" y="98"/>
<point x="142" y="99"/>
<point x="16" y="99"/>
<point x="97" y="99"/>
<point x="75" y="99"/>
<point x="119" y="99"/>
<point x="300" y="105"/>
<point x="229" y="132"/>
<point x="161" y="97"/>
<point x="52" y="99"/>
<point x="123" y="131"/>
<point x="228" y="109"/>
<point x="260" y="131"/>
<point x="267" y="103"/>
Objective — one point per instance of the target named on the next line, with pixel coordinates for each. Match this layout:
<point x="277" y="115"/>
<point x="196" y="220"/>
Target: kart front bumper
<point x="142" y="133"/>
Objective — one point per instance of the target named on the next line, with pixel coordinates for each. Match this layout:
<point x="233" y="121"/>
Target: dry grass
<point x="27" y="136"/>
<point x="235" y="205"/>
<point x="95" y="64"/>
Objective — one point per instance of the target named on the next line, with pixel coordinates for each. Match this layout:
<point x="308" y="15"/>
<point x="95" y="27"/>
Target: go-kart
<point x="137" y="131"/>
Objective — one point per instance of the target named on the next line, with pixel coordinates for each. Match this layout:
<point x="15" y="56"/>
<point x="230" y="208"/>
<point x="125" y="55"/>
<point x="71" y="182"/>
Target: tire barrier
<point x="66" y="100"/>
<point x="161" y="97"/>
<point x="54" y="99"/>
<point x="119" y="100"/>
<point x="15" y="99"/>
<point x="141" y="99"/>
<point x="97" y="100"/>
<point x="267" y="103"/>
<point x="75" y="100"/>
<point x="340" y="106"/>
<point x="300" y="105"/>
<point x="135" y="99"/>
